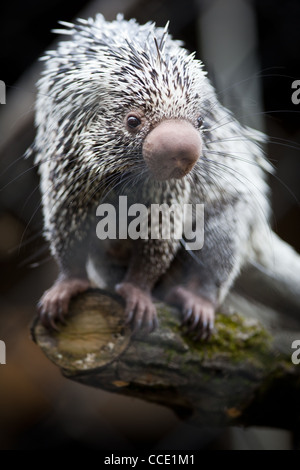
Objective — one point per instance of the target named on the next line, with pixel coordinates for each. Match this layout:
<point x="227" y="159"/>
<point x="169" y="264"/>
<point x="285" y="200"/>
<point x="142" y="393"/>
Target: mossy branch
<point x="242" y="375"/>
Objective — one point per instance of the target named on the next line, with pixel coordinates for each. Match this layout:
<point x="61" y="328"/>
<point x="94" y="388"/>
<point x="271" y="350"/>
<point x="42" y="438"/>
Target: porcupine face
<point x="129" y="98"/>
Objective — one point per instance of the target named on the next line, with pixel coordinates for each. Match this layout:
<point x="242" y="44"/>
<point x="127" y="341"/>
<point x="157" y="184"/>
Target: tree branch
<point x="240" y="376"/>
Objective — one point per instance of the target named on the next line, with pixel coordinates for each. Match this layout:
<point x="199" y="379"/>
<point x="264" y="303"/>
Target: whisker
<point x="234" y="173"/>
<point x="237" y="157"/>
<point x="258" y="166"/>
<point x="35" y="255"/>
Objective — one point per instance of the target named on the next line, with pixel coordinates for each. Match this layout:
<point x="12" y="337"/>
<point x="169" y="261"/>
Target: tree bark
<point x="242" y="375"/>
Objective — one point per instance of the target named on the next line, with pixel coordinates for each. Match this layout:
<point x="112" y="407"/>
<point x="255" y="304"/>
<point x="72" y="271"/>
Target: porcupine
<point x="123" y="108"/>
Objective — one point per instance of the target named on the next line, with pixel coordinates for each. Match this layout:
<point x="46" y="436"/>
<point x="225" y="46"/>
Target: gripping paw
<point x="54" y="304"/>
<point x="198" y="317"/>
<point x="198" y="313"/>
<point x="140" y="313"/>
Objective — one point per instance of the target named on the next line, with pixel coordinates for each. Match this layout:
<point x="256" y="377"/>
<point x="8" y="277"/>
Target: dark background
<point x="38" y="408"/>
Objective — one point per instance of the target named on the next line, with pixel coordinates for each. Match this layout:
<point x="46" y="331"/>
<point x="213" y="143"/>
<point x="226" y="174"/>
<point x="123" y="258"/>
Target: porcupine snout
<point x="171" y="149"/>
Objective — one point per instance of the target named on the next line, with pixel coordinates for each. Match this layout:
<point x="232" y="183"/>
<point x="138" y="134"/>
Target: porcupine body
<point x="123" y="109"/>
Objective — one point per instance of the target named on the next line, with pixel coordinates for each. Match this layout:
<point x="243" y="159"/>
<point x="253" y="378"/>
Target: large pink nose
<point x="171" y="149"/>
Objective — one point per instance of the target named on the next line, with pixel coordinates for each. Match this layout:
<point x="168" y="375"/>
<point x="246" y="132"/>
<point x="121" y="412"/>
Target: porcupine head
<point x="120" y="111"/>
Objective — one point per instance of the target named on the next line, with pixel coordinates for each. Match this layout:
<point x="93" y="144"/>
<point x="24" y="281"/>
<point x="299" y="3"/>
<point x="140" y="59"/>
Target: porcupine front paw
<point x="140" y="312"/>
<point x="54" y="304"/>
<point x="198" y="313"/>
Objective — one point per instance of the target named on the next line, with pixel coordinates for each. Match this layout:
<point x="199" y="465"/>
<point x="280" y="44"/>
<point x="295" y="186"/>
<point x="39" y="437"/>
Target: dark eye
<point x="199" y="122"/>
<point x="133" y="122"/>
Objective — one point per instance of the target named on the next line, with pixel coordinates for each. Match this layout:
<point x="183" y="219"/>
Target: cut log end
<point x="93" y="336"/>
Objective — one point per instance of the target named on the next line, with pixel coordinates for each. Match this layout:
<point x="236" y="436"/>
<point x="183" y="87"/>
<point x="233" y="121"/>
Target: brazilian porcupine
<point x="123" y="109"/>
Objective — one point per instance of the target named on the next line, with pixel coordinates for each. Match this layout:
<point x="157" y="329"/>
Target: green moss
<point x="170" y="355"/>
<point x="237" y="338"/>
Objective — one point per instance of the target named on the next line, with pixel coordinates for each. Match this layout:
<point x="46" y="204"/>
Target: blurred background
<point x="251" y="52"/>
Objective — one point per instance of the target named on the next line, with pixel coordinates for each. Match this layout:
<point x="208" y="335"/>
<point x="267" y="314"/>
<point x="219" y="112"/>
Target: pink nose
<point x="171" y="149"/>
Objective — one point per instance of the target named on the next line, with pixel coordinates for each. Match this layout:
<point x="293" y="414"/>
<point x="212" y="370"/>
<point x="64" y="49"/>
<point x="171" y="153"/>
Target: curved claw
<point x="52" y="323"/>
<point x="150" y="321"/>
<point x="198" y="316"/>
<point x="53" y="306"/>
<point x="195" y="322"/>
<point x="140" y="313"/>
<point x="47" y="320"/>
<point x="129" y="317"/>
<point x="155" y="323"/>
<point x="186" y="316"/>
<point x="60" y="317"/>
<point x="198" y="312"/>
